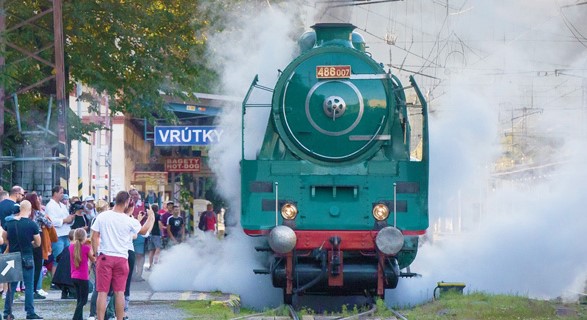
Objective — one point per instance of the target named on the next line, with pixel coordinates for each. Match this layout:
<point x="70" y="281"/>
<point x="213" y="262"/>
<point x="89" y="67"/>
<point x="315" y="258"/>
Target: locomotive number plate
<point x="333" y="72"/>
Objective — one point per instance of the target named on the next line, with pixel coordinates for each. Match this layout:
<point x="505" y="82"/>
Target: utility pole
<point x="60" y="86"/>
<point x="2" y="61"/>
<point x="584" y="108"/>
<point x="80" y="181"/>
<point x="48" y="58"/>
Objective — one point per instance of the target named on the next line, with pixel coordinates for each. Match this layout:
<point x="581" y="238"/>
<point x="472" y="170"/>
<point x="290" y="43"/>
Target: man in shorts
<point x="165" y="214"/>
<point x="154" y="243"/>
<point x="113" y="233"/>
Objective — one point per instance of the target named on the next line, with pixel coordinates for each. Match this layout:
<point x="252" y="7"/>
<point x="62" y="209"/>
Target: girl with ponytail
<point x="81" y="254"/>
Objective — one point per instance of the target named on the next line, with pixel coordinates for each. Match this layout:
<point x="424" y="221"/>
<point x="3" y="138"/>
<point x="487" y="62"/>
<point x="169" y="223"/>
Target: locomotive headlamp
<point x="380" y="212"/>
<point x="289" y="211"/>
<point x="389" y="240"/>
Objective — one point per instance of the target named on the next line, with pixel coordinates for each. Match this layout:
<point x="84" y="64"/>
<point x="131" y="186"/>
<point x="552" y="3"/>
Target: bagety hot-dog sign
<point x="182" y="165"/>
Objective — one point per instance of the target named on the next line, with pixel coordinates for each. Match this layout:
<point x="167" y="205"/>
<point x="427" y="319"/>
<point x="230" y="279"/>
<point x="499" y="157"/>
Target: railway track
<point x="294" y="316"/>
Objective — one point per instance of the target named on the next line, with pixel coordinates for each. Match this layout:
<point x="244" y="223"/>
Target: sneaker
<point x="38" y="296"/>
<point x="43" y="292"/>
<point x="91" y="318"/>
<point x="34" y="316"/>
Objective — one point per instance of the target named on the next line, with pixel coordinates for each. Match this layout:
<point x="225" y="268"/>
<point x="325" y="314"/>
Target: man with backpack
<point x="208" y="219"/>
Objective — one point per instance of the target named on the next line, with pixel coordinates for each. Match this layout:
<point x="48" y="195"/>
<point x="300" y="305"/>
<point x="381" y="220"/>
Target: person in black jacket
<point x="80" y="220"/>
<point x="21" y="235"/>
<point x="62" y="276"/>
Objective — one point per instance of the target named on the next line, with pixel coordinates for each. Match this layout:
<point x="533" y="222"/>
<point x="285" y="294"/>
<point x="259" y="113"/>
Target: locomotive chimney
<point x="334" y="34"/>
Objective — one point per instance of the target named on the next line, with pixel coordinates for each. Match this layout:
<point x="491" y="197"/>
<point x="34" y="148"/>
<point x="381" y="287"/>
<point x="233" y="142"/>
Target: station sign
<point x="10" y="267"/>
<point x="183" y="164"/>
<point x="187" y="135"/>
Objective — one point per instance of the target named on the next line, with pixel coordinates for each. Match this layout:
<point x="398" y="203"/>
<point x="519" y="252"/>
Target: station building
<point x="128" y="153"/>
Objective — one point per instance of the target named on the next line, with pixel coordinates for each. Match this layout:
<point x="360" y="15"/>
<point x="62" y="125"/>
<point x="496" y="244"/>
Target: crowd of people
<point x="86" y="246"/>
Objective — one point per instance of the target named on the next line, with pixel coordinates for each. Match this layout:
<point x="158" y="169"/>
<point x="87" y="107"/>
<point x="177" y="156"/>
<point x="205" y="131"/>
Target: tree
<point x="132" y="49"/>
<point x="127" y="49"/>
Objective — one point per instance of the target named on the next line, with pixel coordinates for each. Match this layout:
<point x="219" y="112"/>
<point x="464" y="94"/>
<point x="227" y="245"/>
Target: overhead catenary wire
<point x="471" y="55"/>
<point x="574" y="31"/>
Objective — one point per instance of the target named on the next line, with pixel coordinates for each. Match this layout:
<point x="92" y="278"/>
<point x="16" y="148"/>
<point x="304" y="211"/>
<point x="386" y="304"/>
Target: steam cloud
<point x="517" y="233"/>
<point x="257" y="42"/>
<point x="484" y="63"/>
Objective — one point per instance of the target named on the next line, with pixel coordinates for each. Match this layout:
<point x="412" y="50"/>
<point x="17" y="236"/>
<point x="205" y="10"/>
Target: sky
<point x="502" y="78"/>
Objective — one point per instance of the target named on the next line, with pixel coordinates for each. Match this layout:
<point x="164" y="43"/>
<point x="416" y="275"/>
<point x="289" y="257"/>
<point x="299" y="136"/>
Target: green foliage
<point x="304" y="311"/>
<point x="128" y="50"/>
<point x="209" y="310"/>
<point x="485" y="306"/>
<point x="131" y="49"/>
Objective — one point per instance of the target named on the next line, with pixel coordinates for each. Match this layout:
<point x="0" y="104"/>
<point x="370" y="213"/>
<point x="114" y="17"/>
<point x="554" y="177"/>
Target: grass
<point x="485" y="306"/>
<point x="209" y="310"/>
<point x="453" y="306"/>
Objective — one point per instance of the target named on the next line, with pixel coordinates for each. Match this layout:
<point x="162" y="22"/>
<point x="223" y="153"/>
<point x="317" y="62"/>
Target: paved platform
<point x="142" y="292"/>
<point x="154" y="296"/>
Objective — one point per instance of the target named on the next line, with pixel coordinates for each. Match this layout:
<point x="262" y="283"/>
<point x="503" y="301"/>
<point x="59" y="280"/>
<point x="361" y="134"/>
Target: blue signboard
<point x="186" y="135"/>
<point x="10" y="267"/>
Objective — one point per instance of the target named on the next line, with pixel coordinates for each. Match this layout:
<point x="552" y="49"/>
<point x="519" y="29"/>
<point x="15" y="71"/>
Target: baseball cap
<point x="89" y="198"/>
<point x="66" y="197"/>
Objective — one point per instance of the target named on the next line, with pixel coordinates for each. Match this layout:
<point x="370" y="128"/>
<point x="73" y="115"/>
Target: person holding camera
<point x="138" y="243"/>
<point x="21" y="235"/>
<point x="80" y="220"/>
<point x="62" y="220"/>
<point x="112" y="235"/>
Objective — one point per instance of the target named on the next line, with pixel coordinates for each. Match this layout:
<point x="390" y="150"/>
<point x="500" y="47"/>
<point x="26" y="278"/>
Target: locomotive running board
<point x="262" y="271"/>
<point x="263" y="249"/>
<point x="409" y="275"/>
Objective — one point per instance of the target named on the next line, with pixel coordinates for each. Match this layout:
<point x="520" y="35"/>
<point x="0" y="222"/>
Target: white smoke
<point x="489" y="61"/>
<point x="500" y="235"/>
<point x="257" y="41"/>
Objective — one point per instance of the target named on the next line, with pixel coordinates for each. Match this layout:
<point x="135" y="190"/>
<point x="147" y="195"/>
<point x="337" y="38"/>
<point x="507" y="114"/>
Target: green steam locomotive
<point x="335" y="189"/>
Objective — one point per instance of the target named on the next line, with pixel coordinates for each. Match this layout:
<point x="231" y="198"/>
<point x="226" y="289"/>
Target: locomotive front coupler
<point x="335" y="265"/>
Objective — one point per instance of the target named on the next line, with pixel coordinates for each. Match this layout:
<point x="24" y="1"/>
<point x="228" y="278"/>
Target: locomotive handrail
<point x="395" y="204"/>
<point x="243" y="111"/>
<point x="425" y="137"/>
<point x="403" y="88"/>
<point x="252" y="105"/>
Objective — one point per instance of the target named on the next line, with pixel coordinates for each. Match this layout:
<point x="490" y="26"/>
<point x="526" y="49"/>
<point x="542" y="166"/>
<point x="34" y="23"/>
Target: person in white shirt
<point x="112" y="235"/>
<point x="62" y="220"/>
